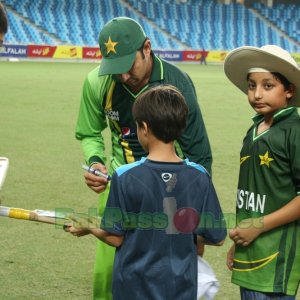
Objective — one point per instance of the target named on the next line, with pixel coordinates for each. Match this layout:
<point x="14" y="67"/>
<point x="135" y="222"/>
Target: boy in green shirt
<point x="267" y="265"/>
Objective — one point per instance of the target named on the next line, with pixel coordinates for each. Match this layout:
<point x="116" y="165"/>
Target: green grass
<point x="39" y="105"/>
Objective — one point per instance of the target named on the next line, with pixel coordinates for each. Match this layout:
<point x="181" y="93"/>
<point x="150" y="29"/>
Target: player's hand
<point x="76" y="231"/>
<point x="82" y="224"/>
<point x="96" y="183"/>
<point x="230" y="256"/>
<point x="246" y="231"/>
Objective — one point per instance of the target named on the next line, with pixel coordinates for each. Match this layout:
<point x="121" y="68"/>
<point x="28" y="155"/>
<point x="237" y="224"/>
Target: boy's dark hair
<point x="286" y="83"/>
<point x="164" y="110"/>
<point x="3" y="20"/>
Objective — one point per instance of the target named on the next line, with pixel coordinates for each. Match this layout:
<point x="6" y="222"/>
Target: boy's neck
<point x="160" y="151"/>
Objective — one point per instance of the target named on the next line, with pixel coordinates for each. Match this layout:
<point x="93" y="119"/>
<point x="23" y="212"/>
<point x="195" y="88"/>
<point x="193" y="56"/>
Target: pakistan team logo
<point x="264" y="159"/>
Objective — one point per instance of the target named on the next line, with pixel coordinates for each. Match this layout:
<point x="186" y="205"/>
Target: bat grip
<point x="18" y="213"/>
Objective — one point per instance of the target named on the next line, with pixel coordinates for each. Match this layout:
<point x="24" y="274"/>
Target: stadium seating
<point x="284" y="16"/>
<point x="212" y="25"/>
<point x="196" y="24"/>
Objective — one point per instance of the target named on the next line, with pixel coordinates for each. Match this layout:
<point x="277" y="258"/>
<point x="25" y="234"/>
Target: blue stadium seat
<point x="197" y="23"/>
<point x="286" y="18"/>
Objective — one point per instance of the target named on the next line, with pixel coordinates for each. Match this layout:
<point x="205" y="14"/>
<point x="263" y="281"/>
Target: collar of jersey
<point x="158" y="69"/>
<point x="279" y="115"/>
<point x="156" y="75"/>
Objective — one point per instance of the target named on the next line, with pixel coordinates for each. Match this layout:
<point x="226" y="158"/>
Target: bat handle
<point x="18" y="213"/>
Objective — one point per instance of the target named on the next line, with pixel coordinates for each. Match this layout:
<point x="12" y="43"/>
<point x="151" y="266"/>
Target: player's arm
<point x="91" y="119"/>
<point x="84" y="225"/>
<point x="212" y="227"/>
<point x="90" y="124"/>
<point x="108" y="238"/>
<point x="249" y="229"/>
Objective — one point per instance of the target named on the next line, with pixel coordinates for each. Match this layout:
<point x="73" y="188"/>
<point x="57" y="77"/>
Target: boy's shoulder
<point x="124" y="168"/>
<point x="186" y="163"/>
<point x="196" y="166"/>
<point x="288" y="117"/>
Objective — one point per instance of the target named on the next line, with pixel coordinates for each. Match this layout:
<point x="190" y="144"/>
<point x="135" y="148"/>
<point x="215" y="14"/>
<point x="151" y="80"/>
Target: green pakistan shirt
<point x="270" y="178"/>
<point x="106" y="101"/>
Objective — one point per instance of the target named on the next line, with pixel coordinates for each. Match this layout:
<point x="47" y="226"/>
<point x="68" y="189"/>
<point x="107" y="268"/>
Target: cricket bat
<point x="37" y="215"/>
<point x="51" y="217"/>
<point x="4" y="163"/>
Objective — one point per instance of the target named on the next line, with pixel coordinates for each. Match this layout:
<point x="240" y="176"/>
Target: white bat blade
<point x="3" y="169"/>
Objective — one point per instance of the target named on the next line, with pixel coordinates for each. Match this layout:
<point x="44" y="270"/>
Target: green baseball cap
<point x="119" y="41"/>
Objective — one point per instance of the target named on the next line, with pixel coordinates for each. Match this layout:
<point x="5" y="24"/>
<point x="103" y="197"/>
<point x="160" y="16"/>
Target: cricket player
<point x="128" y="68"/>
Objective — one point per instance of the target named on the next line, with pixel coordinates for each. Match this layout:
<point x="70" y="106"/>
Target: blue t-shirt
<point x="159" y="208"/>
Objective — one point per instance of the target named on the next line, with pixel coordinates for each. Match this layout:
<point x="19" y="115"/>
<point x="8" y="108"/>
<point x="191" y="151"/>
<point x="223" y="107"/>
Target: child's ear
<point x="291" y="91"/>
<point x="145" y="128"/>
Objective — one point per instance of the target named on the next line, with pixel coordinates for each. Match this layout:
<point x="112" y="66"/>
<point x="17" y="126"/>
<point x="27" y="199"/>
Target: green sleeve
<point x="91" y="119"/>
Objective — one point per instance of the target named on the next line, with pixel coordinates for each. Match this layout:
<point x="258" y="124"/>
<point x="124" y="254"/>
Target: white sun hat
<point x="239" y="61"/>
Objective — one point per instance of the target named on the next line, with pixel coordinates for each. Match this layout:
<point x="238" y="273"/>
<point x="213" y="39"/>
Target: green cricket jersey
<point x="105" y="101"/>
<point x="270" y="178"/>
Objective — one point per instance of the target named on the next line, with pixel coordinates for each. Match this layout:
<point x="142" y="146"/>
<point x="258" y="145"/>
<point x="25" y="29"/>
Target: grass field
<point x="39" y="105"/>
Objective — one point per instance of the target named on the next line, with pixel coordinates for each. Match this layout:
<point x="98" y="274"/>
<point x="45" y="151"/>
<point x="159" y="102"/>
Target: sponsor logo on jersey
<point x="113" y="115"/>
<point x="170" y="180"/>
<point x="244" y="158"/>
<point x="166" y="176"/>
<point x="125" y="131"/>
<point x="128" y="133"/>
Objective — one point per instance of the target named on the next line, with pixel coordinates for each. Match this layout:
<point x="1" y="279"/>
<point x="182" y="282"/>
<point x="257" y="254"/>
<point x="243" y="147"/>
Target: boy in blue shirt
<point x="159" y="208"/>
